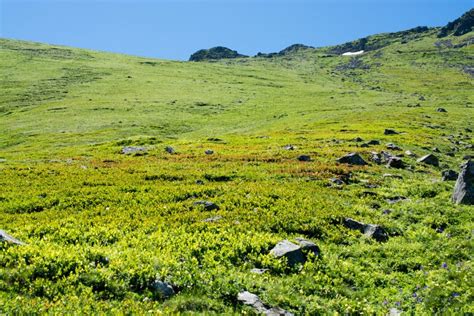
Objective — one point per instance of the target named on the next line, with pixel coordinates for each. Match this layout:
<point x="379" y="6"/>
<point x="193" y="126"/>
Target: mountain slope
<point x="112" y="221"/>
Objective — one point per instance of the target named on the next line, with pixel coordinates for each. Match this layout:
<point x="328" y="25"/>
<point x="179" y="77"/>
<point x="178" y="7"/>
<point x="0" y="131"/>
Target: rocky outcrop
<point x="464" y="188"/>
<point x="215" y="53"/>
<point x="460" y="26"/>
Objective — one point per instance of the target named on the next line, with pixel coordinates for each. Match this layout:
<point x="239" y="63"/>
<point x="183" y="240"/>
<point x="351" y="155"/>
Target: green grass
<point x="101" y="226"/>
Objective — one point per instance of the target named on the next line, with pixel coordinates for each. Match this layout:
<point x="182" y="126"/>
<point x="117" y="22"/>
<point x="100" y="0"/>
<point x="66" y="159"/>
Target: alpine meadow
<point x="330" y="180"/>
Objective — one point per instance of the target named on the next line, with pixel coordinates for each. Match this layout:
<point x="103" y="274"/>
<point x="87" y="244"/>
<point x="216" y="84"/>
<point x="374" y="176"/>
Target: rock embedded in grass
<point x="392" y="147"/>
<point x="256" y="303"/>
<point x="395" y="162"/>
<point x="209" y="152"/>
<point x="308" y="245"/>
<point x="429" y="159"/>
<point x="441" y="110"/>
<point x="170" y="150"/>
<point x="304" y="158"/>
<point x="464" y="188"/>
<point x="162" y="289"/>
<point x="208" y="206"/>
<point x="4" y="237"/>
<point x="292" y="252"/>
<point x="449" y="175"/>
<point x="370" y="230"/>
<point x="289" y="147"/>
<point x="127" y="150"/>
<point x="352" y="159"/>
<point x="388" y="131"/>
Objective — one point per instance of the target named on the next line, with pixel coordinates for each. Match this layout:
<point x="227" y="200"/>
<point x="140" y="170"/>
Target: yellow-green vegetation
<point x="101" y="227"/>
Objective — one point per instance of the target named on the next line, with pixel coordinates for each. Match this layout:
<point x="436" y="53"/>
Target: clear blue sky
<point x="175" y="29"/>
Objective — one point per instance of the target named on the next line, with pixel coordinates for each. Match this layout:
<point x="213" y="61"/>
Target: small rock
<point x="429" y="159"/>
<point x="289" y="147"/>
<point x="209" y="152"/>
<point x="365" y="145"/>
<point x="132" y="150"/>
<point x="394" y="312"/>
<point x="170" y="150"/>
<point x="358" y="139"/>
<point x="375" y="157"/>
<point x="395" y="199"/>
<point x="4" y="237"/>
<point x="304" y="158"/>
<point x="390" y="132"/>
<point x="336" y="181"/>
<point x="449" y="175"/>
<point x="258" y="271"/>
<point x="208" y="206"/>
<point x="162" y="289"/>
<point x="436" y="150"/>
<point x="256" y="303"/>
<point x="199" y="182"/>
<point x="395" y="162"/>
<point x="373" y="142"/>
<point x="464" y="188"/>
<point x="289" y="250"/>
<point x="442" y="110"/>
<point x="213" y="219"/>
<point x="389" y="175"/>
<point x="409" y="153"/>
<point x="352" y="159"/>
<point x="393" y="147"/>
<point x="370" y="230"/>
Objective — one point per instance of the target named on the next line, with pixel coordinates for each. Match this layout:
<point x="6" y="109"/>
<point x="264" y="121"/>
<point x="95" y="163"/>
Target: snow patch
<point x="353" y="53"/>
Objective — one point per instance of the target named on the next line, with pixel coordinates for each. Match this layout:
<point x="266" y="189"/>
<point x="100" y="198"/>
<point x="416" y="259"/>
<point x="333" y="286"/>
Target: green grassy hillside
<point x="101" y="227"/>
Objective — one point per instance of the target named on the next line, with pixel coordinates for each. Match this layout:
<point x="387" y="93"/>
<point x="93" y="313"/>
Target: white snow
<point x="353" y="53"/>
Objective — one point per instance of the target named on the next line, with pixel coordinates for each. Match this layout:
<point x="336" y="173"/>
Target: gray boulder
<point x="256" y="303"/>
<point x="292" y="252"/>
<point x="395" y="162"/>
<point x="308" y="245"/>
<point x="369" y="230"/>
<point x="352" y="159"/>
<point x="429" y="159"/>
<point x="464" y="188"/>
<point x="4" y="237"/>
<point x="127" y="150"/>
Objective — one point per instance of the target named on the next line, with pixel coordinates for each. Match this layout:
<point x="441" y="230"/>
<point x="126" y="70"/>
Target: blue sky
<point x="175" y="29"/>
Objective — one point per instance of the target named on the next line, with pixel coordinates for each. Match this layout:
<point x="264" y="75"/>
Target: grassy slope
<point x="66" y="191"/>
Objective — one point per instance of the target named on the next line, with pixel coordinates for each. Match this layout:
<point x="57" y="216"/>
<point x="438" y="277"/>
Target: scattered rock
<point x="289" y="250"/>
<point x="429" y="159"/>
<point x="213" y="219"/>
<point x="395" y="199"/>
<point x="208" y="206"/>
<point x="170" y="150"/>
<point x="336" y="181"/>
<point x="409" y="153"/>
<point x="375" y="157"/>
<point x="352" y="159"/>
<point x="373" y="142"/>
<point x="390" y="132"/>
<point x="4" y="237"/>
<point x="442" y="110"/>
<point x="370" y="230"/>
<point x="449" y="175"/>
<point x="464" y="188"/>
<point x="389" y="175"/>
<point x="162" y="289"/>
<point x="289" y="147"/>
<point x="127" y="150"/>
<point x="256" y="303"/>
<point x="393" y="147"/>
<point x="395" y="162"/>
<point x="304" y="158"/>
<point x="258" y="271"/>
<point x="358" y="139"/>
<point x="209" y="152"/>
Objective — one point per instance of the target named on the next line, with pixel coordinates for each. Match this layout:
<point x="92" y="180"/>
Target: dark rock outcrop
<point x="304" y="158"/>
<point x="293" y="49"/>
<point x="464" y="188"/>
<point x="460" y="26"/>
<point x="215" y="53"/>
<point x="449" y="175"/>
<point x="395" y="162"/>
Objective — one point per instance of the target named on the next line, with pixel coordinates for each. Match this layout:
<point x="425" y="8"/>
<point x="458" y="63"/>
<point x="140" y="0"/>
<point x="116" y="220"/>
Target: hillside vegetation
<point x="112" y="222"/>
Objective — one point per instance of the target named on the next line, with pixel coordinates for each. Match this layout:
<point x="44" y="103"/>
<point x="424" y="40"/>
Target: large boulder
<point x="352" y="159"/>
<point x="215" y="53"/>
<point x="464" y="188"/>
<point x="292" y="252"/>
